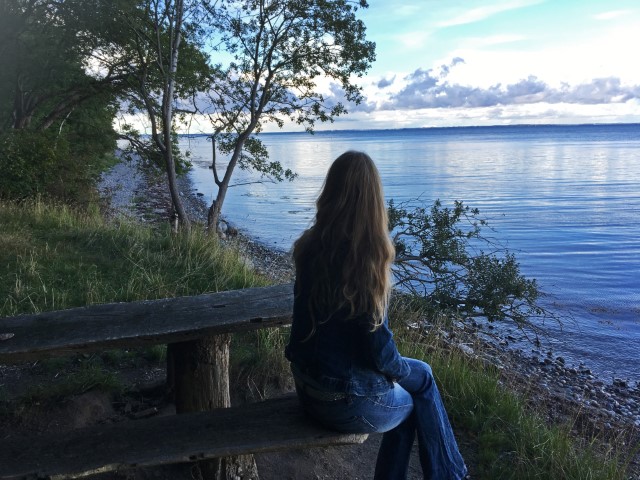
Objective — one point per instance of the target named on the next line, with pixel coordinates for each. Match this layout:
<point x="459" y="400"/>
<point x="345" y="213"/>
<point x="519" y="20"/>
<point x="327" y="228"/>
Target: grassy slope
<point x="51" y="258"/>
<point x="512" y="441"/>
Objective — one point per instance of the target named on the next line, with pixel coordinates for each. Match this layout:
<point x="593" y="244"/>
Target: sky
<point x="499" y="62"/>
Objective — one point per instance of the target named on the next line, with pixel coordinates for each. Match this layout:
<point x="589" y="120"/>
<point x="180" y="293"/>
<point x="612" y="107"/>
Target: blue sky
<point x="450" y="63"/>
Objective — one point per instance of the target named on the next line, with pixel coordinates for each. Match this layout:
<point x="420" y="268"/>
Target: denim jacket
<point x="343" y="355"/>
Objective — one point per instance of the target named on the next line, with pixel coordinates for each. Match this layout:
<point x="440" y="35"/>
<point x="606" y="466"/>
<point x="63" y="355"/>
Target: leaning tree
<point x="171" y="67"/>
<point x="280" y="53"/>
<point x="446" y="260"/>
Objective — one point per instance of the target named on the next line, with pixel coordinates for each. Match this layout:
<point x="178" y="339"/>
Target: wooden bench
<point x="274" y="424"/>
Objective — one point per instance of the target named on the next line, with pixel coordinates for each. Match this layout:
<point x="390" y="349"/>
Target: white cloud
<point x="611" y="15"/>
<point x="605" y="54"/>
<point x="406" y="10"/>
<point x="493" y="40"/>
<point x="433" y="88"/>
<point x="540" y="113"/>
<point x="482" y="13"/>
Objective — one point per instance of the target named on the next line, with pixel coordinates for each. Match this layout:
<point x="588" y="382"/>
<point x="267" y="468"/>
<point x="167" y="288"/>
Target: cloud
<point x="482" y="13"/>
<point x="386" y="82"/>
<point x="611" y="15"/>
<point x="431" y="89"/>
<point x="493" y="40"/>
<point x="337" y="95"/>
<point x="414" y="40"/>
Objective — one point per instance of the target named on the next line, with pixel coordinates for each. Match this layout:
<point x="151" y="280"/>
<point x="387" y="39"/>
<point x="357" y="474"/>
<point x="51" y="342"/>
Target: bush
<point x="30" y="164"/>
<point x="444" y="259"/>
<point x="50" y="165"/>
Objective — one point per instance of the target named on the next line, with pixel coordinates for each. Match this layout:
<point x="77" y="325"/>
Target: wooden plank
<point x="121" y="325"/>
<point x="276" y="424"/>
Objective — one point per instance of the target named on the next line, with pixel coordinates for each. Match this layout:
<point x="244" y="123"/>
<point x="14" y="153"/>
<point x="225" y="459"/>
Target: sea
<point x="564" y="199"/>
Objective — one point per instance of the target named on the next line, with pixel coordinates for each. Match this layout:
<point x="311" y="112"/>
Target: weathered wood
<point x="122" y="325"/>
<point x="202" y="374"/>
<point x="202" y="383"/>
<point x="276" y="424"/>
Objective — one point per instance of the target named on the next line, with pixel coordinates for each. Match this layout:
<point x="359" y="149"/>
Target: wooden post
<point x="201" y="383"/>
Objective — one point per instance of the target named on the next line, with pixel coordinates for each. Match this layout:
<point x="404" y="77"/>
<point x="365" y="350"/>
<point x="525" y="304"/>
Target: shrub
<point x="30" y="164"/>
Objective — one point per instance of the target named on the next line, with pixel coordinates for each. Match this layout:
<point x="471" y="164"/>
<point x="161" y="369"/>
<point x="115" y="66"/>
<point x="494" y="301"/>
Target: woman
<point x="348" y="372"/>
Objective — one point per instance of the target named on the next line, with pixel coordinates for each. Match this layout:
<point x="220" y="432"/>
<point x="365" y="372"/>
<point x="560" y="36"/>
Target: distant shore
<point x="565" y="391"/>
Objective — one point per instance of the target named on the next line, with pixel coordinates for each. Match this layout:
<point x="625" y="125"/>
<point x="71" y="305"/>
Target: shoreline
<point x="566" y="392"/>
<point x="139" y="194"/>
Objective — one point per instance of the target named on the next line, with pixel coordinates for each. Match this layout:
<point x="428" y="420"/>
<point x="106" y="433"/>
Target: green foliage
<point x="61" y="166"/>
<point x="58" y="96"/>
<point x="56" y="56"/>
<point x="279" y="50"/>
<point x="274" y="56"/>
<point x="52" y="258"/>
<point x="152" y="29"/>
<point x="441" y="257"/>
<point x="31" y="163"/>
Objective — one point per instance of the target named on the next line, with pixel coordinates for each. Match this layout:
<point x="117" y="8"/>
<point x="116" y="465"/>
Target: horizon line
<point x="450" y="127"/>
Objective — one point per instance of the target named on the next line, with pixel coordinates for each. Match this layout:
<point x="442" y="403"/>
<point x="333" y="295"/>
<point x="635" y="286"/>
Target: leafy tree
<point x="58" y="163"/>
<point x="171" y="69"/>
<point x="444" y="257"/>
<point x="56" y="56"/>
<point x="58" y="88"/>
<point x="279" y="50"/>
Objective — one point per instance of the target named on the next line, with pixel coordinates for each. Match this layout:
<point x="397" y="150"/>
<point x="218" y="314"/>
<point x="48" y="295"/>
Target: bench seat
<point x="275" y="424"/>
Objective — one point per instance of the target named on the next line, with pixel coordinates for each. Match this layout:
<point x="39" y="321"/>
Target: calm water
<point x="565" y="199"/>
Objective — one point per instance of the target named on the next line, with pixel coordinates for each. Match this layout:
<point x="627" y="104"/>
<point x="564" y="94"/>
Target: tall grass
<point x="512" y="441"/>
<point x="53" y="258"/>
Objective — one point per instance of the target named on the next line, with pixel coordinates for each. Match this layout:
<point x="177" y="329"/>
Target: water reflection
<point x="567" y="201"/>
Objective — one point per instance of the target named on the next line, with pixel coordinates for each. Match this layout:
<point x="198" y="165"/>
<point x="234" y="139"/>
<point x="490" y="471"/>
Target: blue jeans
<point x="412" y="405"/>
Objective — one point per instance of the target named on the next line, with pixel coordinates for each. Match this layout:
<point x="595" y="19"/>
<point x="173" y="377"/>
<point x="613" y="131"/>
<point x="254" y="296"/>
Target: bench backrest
<point x="150" y="322"/>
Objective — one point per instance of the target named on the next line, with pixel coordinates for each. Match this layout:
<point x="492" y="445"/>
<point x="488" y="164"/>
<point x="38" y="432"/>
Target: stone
<point x="466" y="349"/>
<point x="619" y="382"/>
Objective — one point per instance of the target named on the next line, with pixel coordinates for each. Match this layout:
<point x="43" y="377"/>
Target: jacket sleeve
<point x="385" y="354"/>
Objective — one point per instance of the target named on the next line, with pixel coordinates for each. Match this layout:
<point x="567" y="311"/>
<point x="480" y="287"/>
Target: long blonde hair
<point x="348" y="247"/>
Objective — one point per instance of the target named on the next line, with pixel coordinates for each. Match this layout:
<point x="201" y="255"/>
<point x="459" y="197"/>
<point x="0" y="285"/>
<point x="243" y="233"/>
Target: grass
<point x="52" y="257"/>
<point x="88" y="376"/>
<point x="511" y="440"/>
<point x="258" y="365"/>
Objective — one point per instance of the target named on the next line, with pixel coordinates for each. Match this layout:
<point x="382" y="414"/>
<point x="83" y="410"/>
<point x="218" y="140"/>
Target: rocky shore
<point x="562" y="391"/>
<point x="142" y="195"/>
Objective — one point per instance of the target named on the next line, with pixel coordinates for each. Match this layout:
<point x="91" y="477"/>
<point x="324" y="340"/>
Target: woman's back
<point x="349" y="374"/>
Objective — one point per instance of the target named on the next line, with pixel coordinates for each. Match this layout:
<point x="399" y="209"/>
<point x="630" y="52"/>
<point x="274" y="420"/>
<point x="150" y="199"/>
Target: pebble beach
<point x="564" y="391"/>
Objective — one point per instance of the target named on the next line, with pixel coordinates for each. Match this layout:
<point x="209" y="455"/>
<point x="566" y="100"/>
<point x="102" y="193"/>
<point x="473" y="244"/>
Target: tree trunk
<point x="167" y="115"/>
<point x="201" y="382"/>
<point x="213" y="218"/>
<point x="176" y="201"/>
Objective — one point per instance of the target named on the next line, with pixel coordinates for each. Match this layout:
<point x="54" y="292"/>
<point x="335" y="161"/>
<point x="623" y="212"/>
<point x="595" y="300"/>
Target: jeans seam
<point x="390" y="407"/>
<point x="367" y="423"/>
